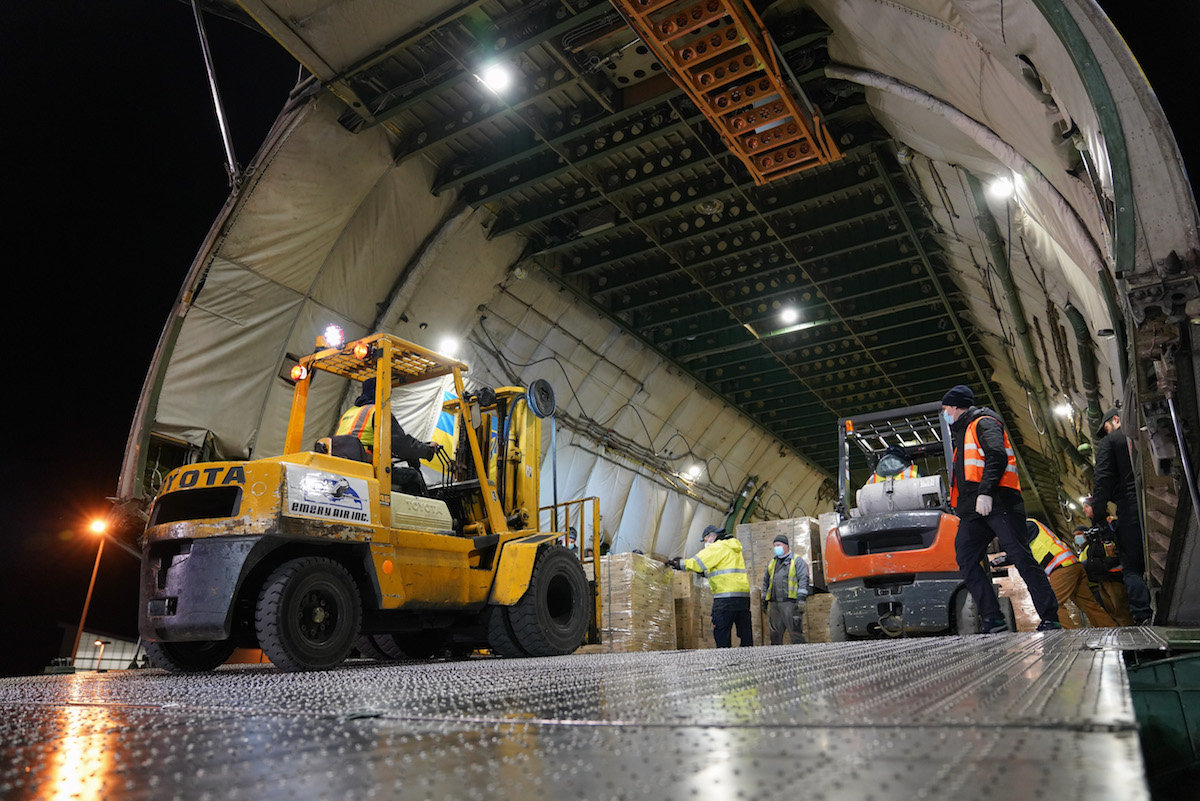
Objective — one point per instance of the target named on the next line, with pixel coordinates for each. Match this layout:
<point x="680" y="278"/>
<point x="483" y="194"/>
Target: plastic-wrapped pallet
<point x="693" y="611"/>
<point x="638" y="605"/>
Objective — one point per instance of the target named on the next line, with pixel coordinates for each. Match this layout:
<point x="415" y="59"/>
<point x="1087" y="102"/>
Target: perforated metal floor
<point x="1025" y="716"/>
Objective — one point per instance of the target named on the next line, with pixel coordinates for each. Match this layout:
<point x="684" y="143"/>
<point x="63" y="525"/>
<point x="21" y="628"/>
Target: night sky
<point x="115" y="172"/>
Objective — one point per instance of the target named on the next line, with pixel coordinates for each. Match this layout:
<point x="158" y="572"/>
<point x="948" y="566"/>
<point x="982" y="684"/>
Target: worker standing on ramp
<point x="722" y="561"/>
<point x="986" y="495"/>
<point x="785" y="588"/>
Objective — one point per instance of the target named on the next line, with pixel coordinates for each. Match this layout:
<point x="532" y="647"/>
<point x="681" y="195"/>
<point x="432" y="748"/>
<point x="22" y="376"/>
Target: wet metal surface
<point x="1006" y="716"/>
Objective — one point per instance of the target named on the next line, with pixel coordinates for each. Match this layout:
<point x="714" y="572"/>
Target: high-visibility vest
<point x="973" y="460"/>
<point x="908" y="472"/>
<point x="722" y="562"/>
<point x="793" y="581"/>
<point x="1049" y="551"/>
<point x="359" y="421"/>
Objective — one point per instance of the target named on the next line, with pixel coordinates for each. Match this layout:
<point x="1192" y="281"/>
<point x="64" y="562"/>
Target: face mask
<point x="779" y="550"/>
<point x="949" y="418"/>
<point x="1080" y="539"/>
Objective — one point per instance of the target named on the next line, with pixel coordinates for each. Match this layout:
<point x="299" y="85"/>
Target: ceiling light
<point x="1000" y="189"/>
<point x="1063" y="410"/>
<point x="712" y="206"/>
<point x="693" y="472"/>
<point x="789" y="315"/>
<point x="448" y="346"/>
<point x="497" y="77"/>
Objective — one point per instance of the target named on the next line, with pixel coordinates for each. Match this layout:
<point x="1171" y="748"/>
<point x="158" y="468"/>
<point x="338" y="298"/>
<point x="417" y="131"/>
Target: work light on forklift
<point x="299" y="372"/>
<point x="333" y="337"/>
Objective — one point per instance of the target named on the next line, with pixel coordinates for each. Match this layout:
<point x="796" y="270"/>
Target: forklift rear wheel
<point x="966" y="613"/>
<point x="189" y="657"/>
<point x="837" y="623"/>
<point x="552" y="616"/>
<point x="308" y="614"/>
<point x="1007" y="612"/>
<point x="370" y="646"/>
<point x="501" y="639"/>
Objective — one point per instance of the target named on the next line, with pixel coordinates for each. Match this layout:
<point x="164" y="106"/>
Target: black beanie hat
<point x="782" y="538"/>
<point x="960" y="397"/>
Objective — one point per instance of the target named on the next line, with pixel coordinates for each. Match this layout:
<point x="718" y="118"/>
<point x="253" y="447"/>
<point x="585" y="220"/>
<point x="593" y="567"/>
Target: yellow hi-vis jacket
<point x="793" y="580"/>
<point x="1049" y="551"/>
<point x="722" y="562"/>
<point x="359" y="421"/>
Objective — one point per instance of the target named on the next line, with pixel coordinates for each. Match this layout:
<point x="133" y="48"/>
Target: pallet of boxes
<point x="804" y="536"/>
<point x="637" y="605"/>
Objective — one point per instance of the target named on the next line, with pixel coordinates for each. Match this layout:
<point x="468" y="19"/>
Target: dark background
<point x="114" y="171"/>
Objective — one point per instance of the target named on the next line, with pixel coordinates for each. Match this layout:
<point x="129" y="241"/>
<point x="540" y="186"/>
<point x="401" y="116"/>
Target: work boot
<point x="1049" y="625"/>
<point x="997" y="626"/>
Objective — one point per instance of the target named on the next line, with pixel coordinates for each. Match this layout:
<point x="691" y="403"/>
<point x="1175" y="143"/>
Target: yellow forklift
<point x="308" y="555"/>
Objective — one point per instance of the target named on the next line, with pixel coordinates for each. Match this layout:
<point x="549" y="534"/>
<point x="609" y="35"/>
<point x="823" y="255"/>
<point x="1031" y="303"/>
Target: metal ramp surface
<point x="1026" y="716"/>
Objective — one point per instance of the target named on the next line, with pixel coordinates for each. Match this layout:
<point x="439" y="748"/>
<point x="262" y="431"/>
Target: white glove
<point x="983" y="505"/>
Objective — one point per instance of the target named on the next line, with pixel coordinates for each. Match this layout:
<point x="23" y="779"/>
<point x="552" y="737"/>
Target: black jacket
<point x="1113" y="478"/>
<point x="995" y="459"/>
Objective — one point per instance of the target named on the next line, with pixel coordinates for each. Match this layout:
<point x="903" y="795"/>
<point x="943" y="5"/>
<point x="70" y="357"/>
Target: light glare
<point x="1063" y="410"/>
<point x="1001" y="188"/>
<point x="789" y="315"/>
<point x="334" y="336"/>
<point x="98" y="526"/>
<point x="448" y="346"/>
<point x="497" y="78"/>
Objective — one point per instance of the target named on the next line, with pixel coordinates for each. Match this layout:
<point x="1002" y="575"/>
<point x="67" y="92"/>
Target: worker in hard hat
<point x="722" y="562"/>
<point x="894" y="463"/>
<point x="784" y="590"/>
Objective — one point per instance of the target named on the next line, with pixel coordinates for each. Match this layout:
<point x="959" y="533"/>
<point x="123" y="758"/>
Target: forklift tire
<point x="966" y="613"/>
<point x="369" y="647"/>
<point x="390" y="648"/>
<point x="501" y="639"/>
<point x="552" y="616"/>
<point x="837" y="623"/>
<point x="308" y="614"/>
<point x="189" y="657"/>
<point x="1008" y="613"/>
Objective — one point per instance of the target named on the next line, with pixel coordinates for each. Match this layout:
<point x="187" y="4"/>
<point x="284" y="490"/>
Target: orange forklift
<point x="890" y="562"/>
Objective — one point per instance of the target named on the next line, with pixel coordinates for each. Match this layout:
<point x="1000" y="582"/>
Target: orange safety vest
<point x="973" y="460"/>
<point x="359" y="421"/>
<point x="1049" y="551"/>
<point x="908" y="472"/>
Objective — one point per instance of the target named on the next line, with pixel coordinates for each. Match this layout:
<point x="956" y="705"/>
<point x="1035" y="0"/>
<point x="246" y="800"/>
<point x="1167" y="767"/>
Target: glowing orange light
<point x="362" y="350"/>
<point x="299" y="372"/>
<point x="98" y="526"/>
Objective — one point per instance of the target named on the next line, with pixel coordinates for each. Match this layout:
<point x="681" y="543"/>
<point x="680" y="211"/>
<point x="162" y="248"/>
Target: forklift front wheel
<point x="552" y="616"/>
<point x="837" y="623"/>
<point x="308" y="614"/>
<point x="189" y="657"/>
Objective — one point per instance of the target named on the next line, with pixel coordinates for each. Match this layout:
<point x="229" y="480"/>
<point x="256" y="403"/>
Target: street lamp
<point x="100" y="658"/>
<point x="98" y="526"/>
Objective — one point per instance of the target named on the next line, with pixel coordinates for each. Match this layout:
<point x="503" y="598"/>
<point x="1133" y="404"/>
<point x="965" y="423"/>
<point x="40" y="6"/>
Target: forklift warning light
<point x="849" y="426"/>
<point x="362" y="350"/>
<point x="299" y="372"/>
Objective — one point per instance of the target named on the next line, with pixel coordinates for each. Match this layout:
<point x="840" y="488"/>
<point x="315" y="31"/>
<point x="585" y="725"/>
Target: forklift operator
<point x="359" y="421"/>
<point x="894" y="463"/>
